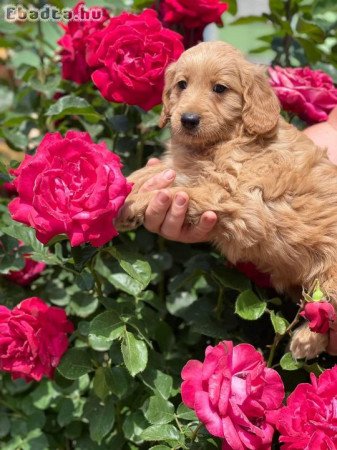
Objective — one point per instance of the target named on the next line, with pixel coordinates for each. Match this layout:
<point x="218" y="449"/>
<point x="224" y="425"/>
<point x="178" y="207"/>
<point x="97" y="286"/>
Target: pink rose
<point x="231" y="392"/>
<point x="192" y="15"/>
<point x="70" y="186"/>
<point x="309" y="419"/>
<point x="308" y="93"/>
<point x="320" y="316"/>
<point x="74" y="42"/>
<point x="33" y="338"/>
<point x="131" y="59"/>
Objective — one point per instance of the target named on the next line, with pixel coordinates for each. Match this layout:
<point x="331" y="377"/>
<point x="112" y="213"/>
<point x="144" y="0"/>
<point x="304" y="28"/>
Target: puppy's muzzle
<point x="190" y="120"/>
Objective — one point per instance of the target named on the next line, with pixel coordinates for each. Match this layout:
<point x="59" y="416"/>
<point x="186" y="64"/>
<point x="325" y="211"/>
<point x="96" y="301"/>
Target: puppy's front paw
<point x="193" y="213"/>
<point x="126" y="223"/>
<point x="307" y="344"/>
<point x="131" y="216"/>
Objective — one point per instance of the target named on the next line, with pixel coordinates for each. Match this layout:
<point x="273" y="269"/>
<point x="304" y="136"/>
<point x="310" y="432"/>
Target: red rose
<point x="193" y="15"/>
<point x="74" y="43"/>
<point x="71" y="186"/>
<point x="8" y="189"/>
<point x="33" y="338"/>
<point x="259" y="278"/>
<point x="28" y="274"/>
<point x="320" y="316"/>
<point x="308" y="93"/>
<point x="309" y="421"/>
<point x="131" y="59"/>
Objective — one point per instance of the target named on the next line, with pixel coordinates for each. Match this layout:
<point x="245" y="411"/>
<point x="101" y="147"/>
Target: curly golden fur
<point x="274" y="191"/>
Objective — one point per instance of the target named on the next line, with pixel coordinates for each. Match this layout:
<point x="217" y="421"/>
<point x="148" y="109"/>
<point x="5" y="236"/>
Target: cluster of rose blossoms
<point x="123" y="65"/>
<point x="239" y="400"/>
<point x="75" y="187"/>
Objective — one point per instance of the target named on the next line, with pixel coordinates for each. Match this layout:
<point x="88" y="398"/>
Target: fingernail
<point x="163" y="197"/>
<point x="180" y="200"/>
<point x="169" y="174"/>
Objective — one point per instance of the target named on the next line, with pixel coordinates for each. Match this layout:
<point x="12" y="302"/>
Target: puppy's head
<point x="211" y="90"/>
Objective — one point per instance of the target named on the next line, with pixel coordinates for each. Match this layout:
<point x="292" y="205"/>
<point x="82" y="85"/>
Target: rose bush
<point x="33" y="338"/>
<point x="72" y="186"/>
<point x="140" y="307"/>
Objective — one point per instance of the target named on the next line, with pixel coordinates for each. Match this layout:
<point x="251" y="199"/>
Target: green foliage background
<point x="142" y="306"/>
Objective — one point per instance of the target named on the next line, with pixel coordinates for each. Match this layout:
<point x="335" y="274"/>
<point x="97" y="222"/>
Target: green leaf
<point x="101" y="417"/>
<point x="313" y="368"/>
<point x="161" y="433"/>
<point x="160" y="447"/>
<point x="14" y="138"/>
<point x="250" y="19"/>
<point x="44" y="394"/>
<point x="288" y="363"/>
<point x="71" y="105"/>
<point x="75" y="363"/>
<point x="5" y="425"/>
<point x="249" y="306"/>
<point x="82" y="255"/>
<point x="27" y="236"/>
<point x="232" y="7"/>
<point x="102" y="382"/>
<point x="11" y="255"/>
<point x="133" y="426"/>
<point x="134" y="353"/>
<point x="119" y="381"/>
<point x="85" y="281"/>
<point x="311" y="29"/>
<point x="231" y="278"/>
<point x="280" y="324"/>
<point x="159" y="411"/>
<point x="33" y="440"/>
<point x="66" y="412"/>
<point x="134" y="265"/>
<point x="83" y="304"/>
<point x="107" y="325"/>
<point x="185" y="413"/>
<point x="111" y="271"/>
<point x="158" y="381"/>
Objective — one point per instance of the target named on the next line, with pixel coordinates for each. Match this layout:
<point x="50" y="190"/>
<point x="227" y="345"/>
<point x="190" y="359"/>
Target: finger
<point x="156" y="211"/>
<point x="153" y="162"/>
<point x="160" y="181"/>
<point x="175" y="217"/>
<point x="201" y="231"/>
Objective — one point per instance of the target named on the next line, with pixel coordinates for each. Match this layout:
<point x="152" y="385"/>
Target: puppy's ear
<point x="169" y="77"/>
<point x="261" y="107"/>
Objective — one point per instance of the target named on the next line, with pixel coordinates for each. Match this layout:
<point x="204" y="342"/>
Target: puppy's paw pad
<point x="128" y="223"/>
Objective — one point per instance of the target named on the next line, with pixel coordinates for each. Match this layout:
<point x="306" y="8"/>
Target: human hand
<point x="324" y="134"/>
<point x="165" y="214"/>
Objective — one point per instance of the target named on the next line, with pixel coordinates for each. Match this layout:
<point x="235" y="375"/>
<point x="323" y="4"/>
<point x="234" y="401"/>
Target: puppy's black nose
<point x="190" y="120"/>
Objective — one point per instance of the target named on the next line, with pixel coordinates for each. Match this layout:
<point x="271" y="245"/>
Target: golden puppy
<point x="273" y="190"/>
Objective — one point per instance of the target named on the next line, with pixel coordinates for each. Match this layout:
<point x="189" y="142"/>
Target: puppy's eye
<point x="182" y="84"/>
<point x="219" y="88"/>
